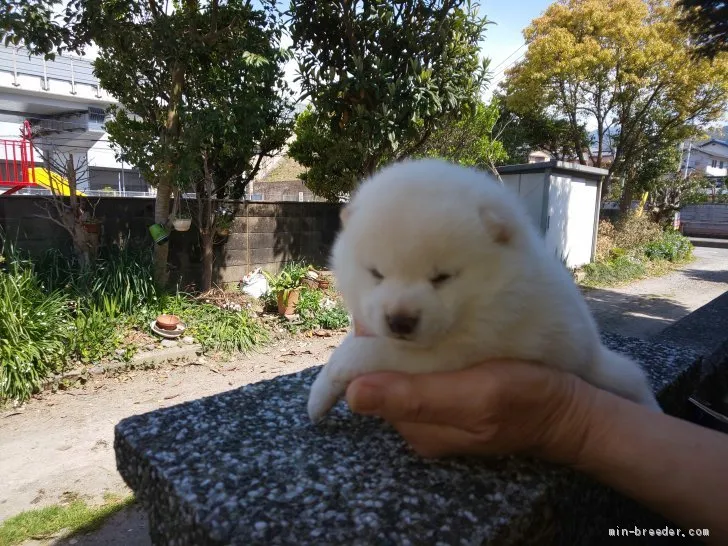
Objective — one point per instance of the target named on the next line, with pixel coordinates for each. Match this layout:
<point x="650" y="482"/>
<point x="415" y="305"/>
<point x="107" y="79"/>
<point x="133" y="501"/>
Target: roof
<point x="717" y="153"/>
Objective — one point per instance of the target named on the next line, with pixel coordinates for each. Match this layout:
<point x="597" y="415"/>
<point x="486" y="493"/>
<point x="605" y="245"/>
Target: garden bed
<point x="61" y="323"/>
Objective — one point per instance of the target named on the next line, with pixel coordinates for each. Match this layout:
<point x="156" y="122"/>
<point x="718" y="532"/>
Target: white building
<point x="709" y="159"/>
<point x="65" y="107"/>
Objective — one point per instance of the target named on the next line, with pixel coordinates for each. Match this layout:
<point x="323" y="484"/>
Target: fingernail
<point x="366" y="398"/>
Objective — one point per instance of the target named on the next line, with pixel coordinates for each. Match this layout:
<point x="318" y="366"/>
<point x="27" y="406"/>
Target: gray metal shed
<point x="563" y="200"/>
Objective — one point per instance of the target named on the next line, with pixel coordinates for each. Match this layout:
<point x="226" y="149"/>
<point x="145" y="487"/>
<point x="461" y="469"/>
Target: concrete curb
<point x="143" y="360"/>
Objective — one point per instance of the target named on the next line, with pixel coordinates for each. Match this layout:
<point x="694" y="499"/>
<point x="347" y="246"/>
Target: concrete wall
<point x="266" y="235"/>
<point x="708" y="220"/>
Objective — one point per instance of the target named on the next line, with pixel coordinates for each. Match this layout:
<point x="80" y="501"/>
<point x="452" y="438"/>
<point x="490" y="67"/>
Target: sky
<point x="504" y="43"/>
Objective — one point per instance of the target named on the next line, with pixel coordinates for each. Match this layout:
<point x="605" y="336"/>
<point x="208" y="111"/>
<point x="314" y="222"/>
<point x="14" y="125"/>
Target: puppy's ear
<point x="345" y="213"/>
<point x="497" y="224"/>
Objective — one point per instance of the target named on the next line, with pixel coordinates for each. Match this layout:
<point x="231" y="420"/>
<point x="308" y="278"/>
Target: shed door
<point x="580" y="224"/>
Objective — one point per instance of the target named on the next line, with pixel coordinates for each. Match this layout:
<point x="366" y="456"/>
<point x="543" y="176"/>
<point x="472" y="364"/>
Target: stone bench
<point x="246" y="467"/>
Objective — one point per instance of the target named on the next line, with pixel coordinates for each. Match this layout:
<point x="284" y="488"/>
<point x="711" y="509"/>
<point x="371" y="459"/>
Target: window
<point x="714" y="163"/>
<point x="721" y="164"/>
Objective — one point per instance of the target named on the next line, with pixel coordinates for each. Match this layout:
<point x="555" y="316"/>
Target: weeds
<point x="633" y="248"/>
<point x="215" y="328"/>
<point x="74" y="518"/>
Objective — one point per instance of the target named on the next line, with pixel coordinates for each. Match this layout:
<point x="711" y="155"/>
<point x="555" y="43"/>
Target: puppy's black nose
<point x="401" y="324"/>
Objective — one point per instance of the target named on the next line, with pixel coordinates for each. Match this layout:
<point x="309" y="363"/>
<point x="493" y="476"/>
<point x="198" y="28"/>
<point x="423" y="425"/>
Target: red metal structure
<point x="17" y="164"/>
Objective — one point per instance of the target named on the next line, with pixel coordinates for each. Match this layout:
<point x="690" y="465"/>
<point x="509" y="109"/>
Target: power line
<point x="509" y="56"/>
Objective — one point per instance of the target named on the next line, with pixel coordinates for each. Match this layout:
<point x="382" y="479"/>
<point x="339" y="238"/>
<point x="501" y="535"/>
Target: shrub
<point x="315" y="312"/>
<point x="121" y="273"/>
<point x="616" y="271"/>
<point x="33" y="331"/>
<point x="672" y="246"/>
<point x="605" y="240"/>
<point x="633" y="232"/>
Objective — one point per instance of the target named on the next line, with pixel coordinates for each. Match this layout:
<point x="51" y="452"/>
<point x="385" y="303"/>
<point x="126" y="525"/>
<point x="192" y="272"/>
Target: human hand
<point x="496" y="408"/>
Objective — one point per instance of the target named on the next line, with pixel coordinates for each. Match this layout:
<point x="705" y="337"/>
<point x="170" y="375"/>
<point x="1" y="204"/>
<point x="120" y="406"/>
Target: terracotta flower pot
<point x="287" y="305"/>
<point x="323" y="284"/>
<point x="223" y="232"/>
<point x="167" y="322"/>
<point x="91" y="227"/>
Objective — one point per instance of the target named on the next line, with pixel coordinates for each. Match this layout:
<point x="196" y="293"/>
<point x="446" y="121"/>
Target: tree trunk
<point x="164" y="189"/>
<point x="206" y="221"/>
<point x="161" y="216"/>
<point x="206" y="237"/>
<point x="625" y="203"/>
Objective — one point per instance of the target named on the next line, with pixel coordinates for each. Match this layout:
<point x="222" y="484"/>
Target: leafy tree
<point x="707" y="21"/>
<point x="148" y="55"/>
<point x="675" y="191"/>
<point x="381" y="76"/>
<point x="614" y="63"/>
<point x="521" y="133"/>
<point x="468" y="138"/>
<point x="237" y="113"/>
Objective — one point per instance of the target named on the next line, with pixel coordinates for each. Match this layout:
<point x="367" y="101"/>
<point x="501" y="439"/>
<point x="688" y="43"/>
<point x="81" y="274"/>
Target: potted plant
<point x="287" y="287"/>
<point x="223" y="222"/>
<point x="92" y="225"/>
<point x="182" y="221"/>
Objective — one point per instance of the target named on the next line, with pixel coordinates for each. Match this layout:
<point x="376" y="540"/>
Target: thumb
<point x="397" y="397"/>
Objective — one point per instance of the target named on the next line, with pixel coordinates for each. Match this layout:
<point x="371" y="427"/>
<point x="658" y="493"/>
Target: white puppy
<point x="442" y="264"/>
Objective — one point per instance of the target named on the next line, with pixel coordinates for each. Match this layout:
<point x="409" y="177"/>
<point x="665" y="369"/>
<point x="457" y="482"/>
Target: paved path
<point x="644" y="308"/>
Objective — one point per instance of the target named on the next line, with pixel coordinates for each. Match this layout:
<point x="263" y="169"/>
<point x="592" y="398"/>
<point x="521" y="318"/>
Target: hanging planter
<point x="92" y="226"/>
<point x="182" y="224"/>
<point x="159" y="233"/>
<point x="223" y="221"/>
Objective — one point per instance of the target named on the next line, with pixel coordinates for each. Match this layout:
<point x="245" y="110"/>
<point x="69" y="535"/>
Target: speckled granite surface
<point x="246" y="467"/>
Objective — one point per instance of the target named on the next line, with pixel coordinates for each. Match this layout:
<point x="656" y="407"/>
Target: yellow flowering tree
<point x="625" y="67"/>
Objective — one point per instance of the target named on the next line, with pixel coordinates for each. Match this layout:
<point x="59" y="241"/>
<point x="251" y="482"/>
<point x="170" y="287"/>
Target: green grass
<point x="75" y="518"/>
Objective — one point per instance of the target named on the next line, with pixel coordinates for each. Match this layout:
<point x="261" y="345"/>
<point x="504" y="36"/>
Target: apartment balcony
<point x="66" y="80"/>
<point x="717" y="171"/>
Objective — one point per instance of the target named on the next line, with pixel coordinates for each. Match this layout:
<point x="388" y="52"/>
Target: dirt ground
<point x="63" y="442"/>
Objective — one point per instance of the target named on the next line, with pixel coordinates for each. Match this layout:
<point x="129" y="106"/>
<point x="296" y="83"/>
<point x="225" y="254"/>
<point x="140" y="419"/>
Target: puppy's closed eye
<point x="376" y="274"/>
<point x="440" y="279"/>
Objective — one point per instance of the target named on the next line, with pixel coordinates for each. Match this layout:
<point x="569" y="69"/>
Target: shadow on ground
<point x="128" y="527"/>
<point x="717" y="276"/>
<point x="641" y="316"/>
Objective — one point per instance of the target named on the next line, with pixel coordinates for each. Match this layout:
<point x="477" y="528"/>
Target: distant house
<point x="539" y="156"/>
<point x="281" y="182"/>
<point x="709" y="159"/>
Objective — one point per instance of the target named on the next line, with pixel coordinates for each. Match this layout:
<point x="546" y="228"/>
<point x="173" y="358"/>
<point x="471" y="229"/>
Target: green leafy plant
<point x="215" y="328"/>
<point x="673" y="247"/>
<point x="613" y="272"/>
<point x="96" y="333"/>
<point x="33" y="330"/>
<point x="315" y="311"/>
<point x="290" y="278"/>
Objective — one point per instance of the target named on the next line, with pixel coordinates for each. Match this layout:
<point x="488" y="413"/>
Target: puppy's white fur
<point x="506" y="297"/>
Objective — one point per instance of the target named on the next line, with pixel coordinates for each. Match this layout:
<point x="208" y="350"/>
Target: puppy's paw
<point x="323" y="396"/>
